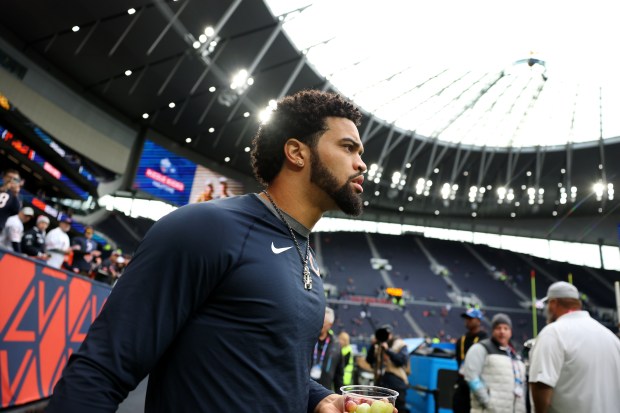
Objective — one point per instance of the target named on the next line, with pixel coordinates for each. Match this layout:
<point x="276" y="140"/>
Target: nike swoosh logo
<point x="279" y="250"/>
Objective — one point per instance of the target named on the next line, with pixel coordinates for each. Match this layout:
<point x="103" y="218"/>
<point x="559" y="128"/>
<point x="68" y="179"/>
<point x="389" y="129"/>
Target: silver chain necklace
<point x="307" y="279"/>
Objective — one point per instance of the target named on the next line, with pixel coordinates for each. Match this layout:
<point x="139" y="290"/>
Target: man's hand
<point x="334" y="403"/>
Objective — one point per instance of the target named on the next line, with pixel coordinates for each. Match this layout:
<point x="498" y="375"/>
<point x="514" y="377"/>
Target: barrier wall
<point x="44" y="316"/>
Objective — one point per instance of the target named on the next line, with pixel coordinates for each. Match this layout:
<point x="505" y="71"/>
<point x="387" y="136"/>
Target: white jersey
<point x="57" y="240"/>
<point x="12" y="232"/>
<point x="580" y="359"/>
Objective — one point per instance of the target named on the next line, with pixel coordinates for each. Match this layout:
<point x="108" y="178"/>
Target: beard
<point x="347" y="200"/>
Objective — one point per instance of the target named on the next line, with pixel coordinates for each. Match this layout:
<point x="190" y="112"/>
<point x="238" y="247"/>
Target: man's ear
<point x="296" y="152"/>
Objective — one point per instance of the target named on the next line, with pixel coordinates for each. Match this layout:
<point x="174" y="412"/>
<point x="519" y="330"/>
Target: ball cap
<point x="43" y="218"/>
<point x="28" y="211"/>
<point x="561" y="289"/>
<point x="501" y="318"/>
<point x="66" y="218"/>
<point x="472" y="313"/>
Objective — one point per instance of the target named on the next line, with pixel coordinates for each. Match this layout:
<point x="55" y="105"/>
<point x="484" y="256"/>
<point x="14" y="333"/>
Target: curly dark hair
<point x="301" y="116"/>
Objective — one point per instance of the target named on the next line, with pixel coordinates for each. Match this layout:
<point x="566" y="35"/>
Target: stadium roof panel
<point x="474" y="73"/>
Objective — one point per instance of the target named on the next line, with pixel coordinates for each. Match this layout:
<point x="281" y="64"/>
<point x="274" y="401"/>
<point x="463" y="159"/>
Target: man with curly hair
<point x="229" y="322"/>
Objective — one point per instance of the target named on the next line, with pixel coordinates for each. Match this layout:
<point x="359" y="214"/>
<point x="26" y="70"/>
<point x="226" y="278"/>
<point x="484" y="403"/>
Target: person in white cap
<point x="33" y="241"/>
<point x="57" y="242"/>
<point x="11" y="236"/>
<point x="495" y="372"/>
<point x="10" y="202"/>
<point x="575" y="362"/>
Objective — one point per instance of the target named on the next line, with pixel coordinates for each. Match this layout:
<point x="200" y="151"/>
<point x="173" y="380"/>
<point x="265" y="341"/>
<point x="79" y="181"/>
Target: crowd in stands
<point x="25" y="233"/>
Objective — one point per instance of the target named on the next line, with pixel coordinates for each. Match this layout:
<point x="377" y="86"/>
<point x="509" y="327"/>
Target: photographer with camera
<point x="389" y="357"/>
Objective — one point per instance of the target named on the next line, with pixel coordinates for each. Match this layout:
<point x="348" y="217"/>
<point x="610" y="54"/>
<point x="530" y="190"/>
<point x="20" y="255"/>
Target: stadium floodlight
<point x="239" y="79"/>
<point x="598" y="190"/>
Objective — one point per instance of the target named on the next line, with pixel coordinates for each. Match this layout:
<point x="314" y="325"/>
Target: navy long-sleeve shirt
<point x="214" y="310"/>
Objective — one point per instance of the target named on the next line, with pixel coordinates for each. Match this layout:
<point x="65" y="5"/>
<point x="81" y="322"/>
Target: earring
<point x="300" y="163"/>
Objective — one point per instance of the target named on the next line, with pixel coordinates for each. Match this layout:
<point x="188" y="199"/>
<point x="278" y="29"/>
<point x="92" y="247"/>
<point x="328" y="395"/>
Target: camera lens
<point x="382" y="335"/>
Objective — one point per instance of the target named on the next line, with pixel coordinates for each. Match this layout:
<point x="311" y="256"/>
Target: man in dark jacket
<point x="33" y="241"/>
<point x="327" y="367"/>
<point x="473" y="317"/>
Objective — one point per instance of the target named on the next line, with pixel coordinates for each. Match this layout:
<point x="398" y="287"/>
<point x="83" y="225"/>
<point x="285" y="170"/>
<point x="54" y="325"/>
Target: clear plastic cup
<point x="368" y="399"/>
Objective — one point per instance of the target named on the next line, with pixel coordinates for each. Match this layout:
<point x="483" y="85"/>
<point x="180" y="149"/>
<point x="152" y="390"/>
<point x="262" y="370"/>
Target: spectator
<point x="495" y="372"/>
<point x="461" y="402"/>
<point x="327" y="368"/>
<point x="575" y="361"/>
<point x="33" y="242"/>
<point x="120" y="265"/>
<point x="114" y="265"/>
<point x="57" y="242"/>
<point x="85" y="251"/>
<point x="11" y="236"/>
<point x="10" y="202"/>
<point x="389" y="357"/>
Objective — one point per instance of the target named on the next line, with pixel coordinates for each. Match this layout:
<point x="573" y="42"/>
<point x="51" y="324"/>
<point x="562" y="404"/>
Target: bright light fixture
<point x="209" y="31"/>
<point x="188" y="140"/>
<point x="128" y="72"/>
<point x="239" y="79"/>
<point x="131" y="11"/>
<point x="145" y="116"/>
<point x="535" y="72"/>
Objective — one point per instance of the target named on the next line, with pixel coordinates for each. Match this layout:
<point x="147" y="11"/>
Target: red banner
<point x="44" y="316"/>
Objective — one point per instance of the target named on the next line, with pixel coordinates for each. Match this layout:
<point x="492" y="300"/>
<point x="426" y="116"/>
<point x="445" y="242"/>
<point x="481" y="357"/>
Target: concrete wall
<point x="66" y="115"/>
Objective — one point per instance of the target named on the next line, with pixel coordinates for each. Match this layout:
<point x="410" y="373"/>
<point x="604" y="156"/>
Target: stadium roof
<point x="472" y="110"/>
<point x="476" y="73"/>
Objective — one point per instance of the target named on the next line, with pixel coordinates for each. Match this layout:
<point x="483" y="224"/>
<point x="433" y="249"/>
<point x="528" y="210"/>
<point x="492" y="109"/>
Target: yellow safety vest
<point x="347" y="378"/>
